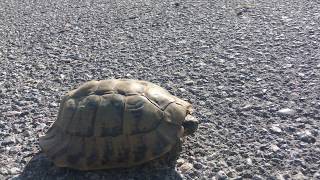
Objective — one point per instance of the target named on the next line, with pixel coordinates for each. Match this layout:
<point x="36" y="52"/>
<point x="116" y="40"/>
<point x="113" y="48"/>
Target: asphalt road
<point x="250" y="68"/>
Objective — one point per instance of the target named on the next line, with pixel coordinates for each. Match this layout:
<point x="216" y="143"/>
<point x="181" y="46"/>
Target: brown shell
<point x="114" y="123"/>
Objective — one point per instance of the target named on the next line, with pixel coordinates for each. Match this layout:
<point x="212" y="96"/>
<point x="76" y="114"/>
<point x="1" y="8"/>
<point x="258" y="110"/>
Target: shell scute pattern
<point x="114" y="123"/>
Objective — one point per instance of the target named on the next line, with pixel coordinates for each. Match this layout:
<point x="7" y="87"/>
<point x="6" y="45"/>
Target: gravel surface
<point x="250" y="68"/>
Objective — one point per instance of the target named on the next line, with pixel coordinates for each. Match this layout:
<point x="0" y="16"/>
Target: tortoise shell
<point x="113" y="124"/>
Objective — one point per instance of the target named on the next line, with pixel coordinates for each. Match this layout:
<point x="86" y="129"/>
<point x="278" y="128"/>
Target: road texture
<point x="250" y="68"/>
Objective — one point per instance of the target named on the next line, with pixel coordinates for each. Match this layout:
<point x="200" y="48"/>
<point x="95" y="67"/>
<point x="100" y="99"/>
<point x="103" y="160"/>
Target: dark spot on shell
<point x="137" y="114"/>
<point x="140" y="152"/>
<point x="49" y="136"/>
<point x="107" y="154"/>
<point x="161" y="143"/>
<point x="99" y="93"/>
<point x="60" y="152"/>
<point x="115" y="131"/>
<point x="73" y="159"/>
<point x="123" y="155"/>
<point x="120" y="91"/>
<point x="92" y="158"/>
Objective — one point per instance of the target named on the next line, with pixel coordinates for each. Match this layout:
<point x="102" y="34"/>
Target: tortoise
<point x="117" y="123"/>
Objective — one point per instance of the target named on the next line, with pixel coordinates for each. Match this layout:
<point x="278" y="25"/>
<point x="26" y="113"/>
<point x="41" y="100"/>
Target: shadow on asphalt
<point x="41" y="168"/>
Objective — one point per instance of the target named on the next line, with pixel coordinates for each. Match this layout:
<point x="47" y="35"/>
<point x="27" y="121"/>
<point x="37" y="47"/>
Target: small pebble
<point x="12" y="113"/>
<point x="286" y="112"/>
<point x="299" y="176"/>
<point x="180" y="161"/>
<point x="53" y="104"/>
<point x="41" y="66"/>
<point x="275" y="129"/>
<point x="182" y="90"/>
<point x="8" y="140"/>
<point x="306" y="136"/>
<point x="274" y="147"/>
<point x="189" y="82"/>
<point x="221" y="175"/>
<point x="14" y="170"/>
<point x="3" y="171"/>
<point x="41" y="126"/>
<point x="246" y="107"/>
<point x="316" y="175"/>
<point x="257" y="177"/>
<point x="186" y="167"/>
<point x="198" y="166"/>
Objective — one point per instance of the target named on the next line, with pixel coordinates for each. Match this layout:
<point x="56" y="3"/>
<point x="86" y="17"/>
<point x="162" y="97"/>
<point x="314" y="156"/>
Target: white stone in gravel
<point x="12" y="113"/>
<point x="41" y="126"/>
<point x="264" y="90"/>
<point x="53" y="104"/>
<point x="89" y="76"/>
<point x="8" y="140"/>
<point x="3" y="171"/>
<point x="180" y="161"/>
<point x="280" y="177"/>
<point x="221" y="175"/>
<point x="318" y="66"/>
<point x="200" y="64"/>
<point x="286" y="111"/>
<point x="316" y="175"/>
<point x="41" y="66"/>
<point x="274" y="147"/>
<point x="62" y="76"/>
<point x="288" y="66"/>
<point x="275" y="128"/>
<point x="182" y="90"/>
<point x="299" y="176"/>
<point x="306" y="136"/>
<point x="257" y="177"/>
<point x="249" y="161"/>
<point x="186" y="167"/>
<point x="14" y="170"/>
<point x="246" y="107"/>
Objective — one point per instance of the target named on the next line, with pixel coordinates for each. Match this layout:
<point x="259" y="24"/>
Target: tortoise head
<point x="190" y="125"/>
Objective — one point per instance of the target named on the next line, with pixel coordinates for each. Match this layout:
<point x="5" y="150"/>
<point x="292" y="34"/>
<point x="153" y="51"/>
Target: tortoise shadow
<point x="41" y="168"/>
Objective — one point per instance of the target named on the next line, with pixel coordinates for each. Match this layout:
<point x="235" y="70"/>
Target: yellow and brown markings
<point x="139" y="147"/>
<point x="76" y="151"/>
<point x="67" y="111"/>
<point x="106" y="151"/>
<point x="92" y="153"/>
<point x="58" y="152"/>
<point x="84" y="90"/>
<point x="50" y="140"/>
<point x="175" y="113"/>
<point x="121" y="149"/>
<point x="161" y="98"/>
<point x="129" y="87"/>
<point x="82" y="122"/>
<point x="114" y="123"/>
<point x="140" y="115"/>
<point x="109" y="116"/>
<point x="106" y="87"/>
